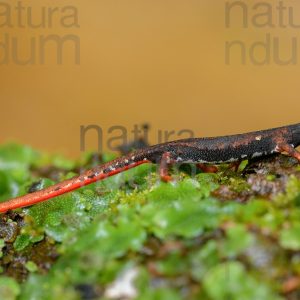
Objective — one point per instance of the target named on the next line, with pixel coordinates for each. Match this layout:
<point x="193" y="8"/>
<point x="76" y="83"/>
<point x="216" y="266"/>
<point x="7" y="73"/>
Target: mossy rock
<point x="229" y="235"/>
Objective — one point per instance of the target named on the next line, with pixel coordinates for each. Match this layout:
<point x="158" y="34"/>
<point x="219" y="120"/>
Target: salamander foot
<point x="207" y="168"/>
<point x="290" y="150"/>
<point x="165" y="163"/>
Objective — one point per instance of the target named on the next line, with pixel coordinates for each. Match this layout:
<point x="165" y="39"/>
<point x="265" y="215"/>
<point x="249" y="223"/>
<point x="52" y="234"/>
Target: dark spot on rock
<point x="8" y="231"/>
<point x="43" y="254"/>
<point x="35" y="186"/>
<point x="88" y="291"/>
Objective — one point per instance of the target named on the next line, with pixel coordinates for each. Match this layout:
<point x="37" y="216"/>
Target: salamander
<point x="210" y="150"/>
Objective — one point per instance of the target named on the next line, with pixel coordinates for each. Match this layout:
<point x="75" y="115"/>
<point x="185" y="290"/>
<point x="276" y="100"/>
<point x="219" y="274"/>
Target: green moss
<point x="31" y="266"/>
<point x="231" y="281"/>
<point x="9" y="288"/>
<point x="2" y="244"/>
<point x="203" y="237"/>
<point x="290" y="238"/>
<point x="238" y="240"/>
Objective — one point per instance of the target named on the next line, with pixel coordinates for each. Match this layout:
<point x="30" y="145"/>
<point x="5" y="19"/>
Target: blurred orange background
<point x="160" y="62"/>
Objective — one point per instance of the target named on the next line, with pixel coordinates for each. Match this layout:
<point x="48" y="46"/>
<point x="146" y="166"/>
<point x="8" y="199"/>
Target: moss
<point x="207" y="236"/>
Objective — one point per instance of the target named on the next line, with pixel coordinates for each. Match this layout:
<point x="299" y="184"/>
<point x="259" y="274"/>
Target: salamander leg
<point x="290" y="150"/>
<point x="235" y="165"/>
<point x="207" y="168"/>
<point x="165" y="163"/>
